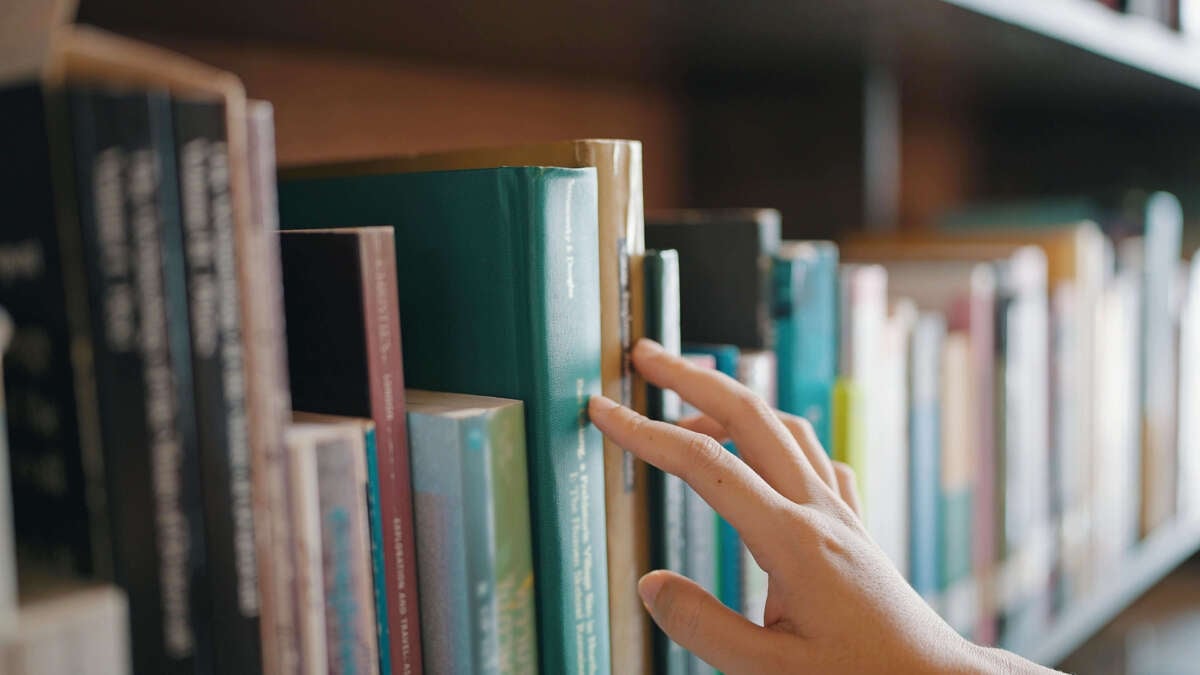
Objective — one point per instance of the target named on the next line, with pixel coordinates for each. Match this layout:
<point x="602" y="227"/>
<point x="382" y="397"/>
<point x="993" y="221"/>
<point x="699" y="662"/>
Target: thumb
<point x="699" y="623"/>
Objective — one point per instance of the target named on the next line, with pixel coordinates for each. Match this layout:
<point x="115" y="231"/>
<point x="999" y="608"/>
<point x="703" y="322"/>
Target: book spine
<point x="268" y="404"/>
<point x="515" y="607"/>
<point x="304" y="502"/>
<point x="564" y="332"/>
<point x="384" y="362"/>
<point x="701" y="555"/>
<point x="57" y="465"/>
<point x="954" y="495"/>
<point x="124" y="181"/>
<point x="219" y="379"/>
<point x="479" y="539"/>
<point x="8" y="543"/>
<point x="345" y="563"/>
<point x="925" y="454"/>
<point x="378" y="545"/>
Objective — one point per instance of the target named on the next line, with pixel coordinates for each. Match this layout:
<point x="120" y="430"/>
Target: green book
<point x="473" y="543"/>
<point x="498" y="279"/>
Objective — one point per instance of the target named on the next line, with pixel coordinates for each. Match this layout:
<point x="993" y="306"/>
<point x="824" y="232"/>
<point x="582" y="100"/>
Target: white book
<point x="1189" y="396"/>
<point x="304" y="495"/>
<point x="67" y="632"/>
<point x="887" y="481"/>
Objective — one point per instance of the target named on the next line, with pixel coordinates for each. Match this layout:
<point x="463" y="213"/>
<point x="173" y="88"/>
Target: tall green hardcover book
<point x="498" y="279"/>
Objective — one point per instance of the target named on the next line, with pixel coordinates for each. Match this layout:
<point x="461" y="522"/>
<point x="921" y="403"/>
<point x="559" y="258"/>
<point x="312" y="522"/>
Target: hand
<point x="835" y="603"/>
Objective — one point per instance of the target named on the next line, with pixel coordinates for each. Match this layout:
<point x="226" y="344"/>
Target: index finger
<point x="733" y="489"/>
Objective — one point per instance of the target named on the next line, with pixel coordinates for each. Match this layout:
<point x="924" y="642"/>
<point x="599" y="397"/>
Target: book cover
<point x="502" y="298"/>
<point x="128" y="211"/>
<point x="473" y="548"/>
<point x="804" y="309"/>
<point x="618" y="165"/>
<point x="889" y="480"/>
<point x="925" y="448"/>
<point x="376" y="543"/>
<point x="956" y="477"/>
<point x="59" y="492"/>
<point x="219" y="382"/>
<point x="307" y="555"/>
<point x="863" y="314"/>
<point x="724" y="272"/>
<point x="344" y="356"/>
<point x="350" y="640"/>
<point x="727" y="545"/>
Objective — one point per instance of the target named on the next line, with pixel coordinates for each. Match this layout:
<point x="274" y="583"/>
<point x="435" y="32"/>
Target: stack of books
<point x="333" y="419"/>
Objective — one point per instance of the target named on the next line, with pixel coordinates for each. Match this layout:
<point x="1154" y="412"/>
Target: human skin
<point x="835" y="603"/>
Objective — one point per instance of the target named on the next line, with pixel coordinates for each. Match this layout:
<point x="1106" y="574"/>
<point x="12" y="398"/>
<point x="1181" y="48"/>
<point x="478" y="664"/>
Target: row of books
<point x="1181" y="15"/>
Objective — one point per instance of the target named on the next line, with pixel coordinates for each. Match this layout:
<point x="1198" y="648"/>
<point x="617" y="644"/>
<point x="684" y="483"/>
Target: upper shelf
<point x="1027" y="49"/>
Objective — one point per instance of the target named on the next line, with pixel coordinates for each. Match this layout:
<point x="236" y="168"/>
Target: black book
<point x="137" y="295"/>
<point x="218" y="378"/>
<point x="724" y="272"/>
<point x="57" y="470"/>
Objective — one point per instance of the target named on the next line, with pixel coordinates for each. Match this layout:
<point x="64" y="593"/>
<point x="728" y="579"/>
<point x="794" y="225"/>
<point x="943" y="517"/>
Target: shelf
<point x="1026" y="48"/>
<point x="1156" y="557"/>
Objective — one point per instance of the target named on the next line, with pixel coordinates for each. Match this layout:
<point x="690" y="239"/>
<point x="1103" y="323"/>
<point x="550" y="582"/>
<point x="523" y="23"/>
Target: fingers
<point x="800" y="429"/>
<point x="759" y="435"/>
<point x="847" y="484"/>
<point x="719" y="477"/>
<point x="699" y="623"/>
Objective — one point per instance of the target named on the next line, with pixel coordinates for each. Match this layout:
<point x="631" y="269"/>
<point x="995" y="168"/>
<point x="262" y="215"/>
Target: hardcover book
<point x="498" y="284"/>
<point x="805" y="311"/>
<point x="473" y="547"/>
<point x="724" y="272"/>
<point x="925" y="448"/>
<point x="346" y="585"/>
<point x="618" y="165"/>
<point x="343" y="332"/>
<point x="219" y="383"/>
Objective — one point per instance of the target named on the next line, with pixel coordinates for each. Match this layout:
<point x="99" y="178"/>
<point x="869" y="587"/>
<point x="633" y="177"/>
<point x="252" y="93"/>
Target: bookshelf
<point x="1152" y="560"/>
<point x="842" y="114"/>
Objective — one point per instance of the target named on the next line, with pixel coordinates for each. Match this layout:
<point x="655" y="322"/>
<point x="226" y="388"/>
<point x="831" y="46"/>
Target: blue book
<point x="925" y="468"/>
<point x="729" y="545"/>
<point x="805" y="312"/>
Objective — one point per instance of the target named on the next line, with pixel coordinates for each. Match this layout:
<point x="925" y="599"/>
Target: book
<point x="956" y="476"/>
<point x="756" y="369"/>
<point x="925" y="448"/>
<point x="60" y="517"/>
<point x="724" y="272"/>
<point x="344" y="356"/>
<point x="728" y="557"/>
<point x="219" y="382"/>
<point x="473" y="550"/>
<point x="1189" y="394"/>
<point x="701" y="532"/>
<point x="8" y="543"/>
<point x="374" y="516"/>
<point x="128" y="213"/>
<point x="502" y="300"/>
<point x="618" y="165"/>
<point x="351" y="644"/>
<point x="69" y="628"/>
<point x="863" y="314"/>
<point x="804" y="308"/>
<point x="661" y="272"/>
<point x="304" y="497"/>
<point x="888" y="482"/>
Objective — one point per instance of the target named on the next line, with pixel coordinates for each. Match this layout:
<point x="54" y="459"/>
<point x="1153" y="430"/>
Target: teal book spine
<point x="805" y="311"/>
<point x="378" y="567"/>
<point x="925" y="531"/>
<point x="499" y="290"/>
<point x="728" y="544"/>
<point x="515" y="608"/>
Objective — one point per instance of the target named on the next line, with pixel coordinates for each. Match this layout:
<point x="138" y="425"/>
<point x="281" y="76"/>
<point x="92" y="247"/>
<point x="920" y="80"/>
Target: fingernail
<point x="648" y="347"/>
<point x="648" y="587"/>
<point x="600" y="403"/>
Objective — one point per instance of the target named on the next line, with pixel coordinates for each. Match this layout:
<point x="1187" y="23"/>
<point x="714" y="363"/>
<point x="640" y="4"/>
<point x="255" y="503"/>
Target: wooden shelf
<point x="1029" y="48"/>
<point x="1152" y="560"/>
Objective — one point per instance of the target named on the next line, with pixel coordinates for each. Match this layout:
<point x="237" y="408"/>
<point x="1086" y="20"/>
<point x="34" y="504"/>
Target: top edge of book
<point x="316" y="432"/>
<point x="573" y="153"/>
<point x="447" y="404"/>
<point x="343" y="231"/>
<point x="806" y="249"/>
<point x="302" y="417"/>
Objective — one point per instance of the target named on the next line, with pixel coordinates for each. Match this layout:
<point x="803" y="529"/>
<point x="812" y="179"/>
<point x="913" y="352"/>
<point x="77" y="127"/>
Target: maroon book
<point x="343" y="333"/>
